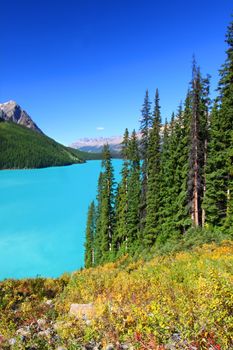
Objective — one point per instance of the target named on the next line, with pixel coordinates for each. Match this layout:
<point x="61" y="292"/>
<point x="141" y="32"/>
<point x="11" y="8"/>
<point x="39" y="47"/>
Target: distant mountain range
<point x="24" y="145"/>
<point x="95" y="145"/>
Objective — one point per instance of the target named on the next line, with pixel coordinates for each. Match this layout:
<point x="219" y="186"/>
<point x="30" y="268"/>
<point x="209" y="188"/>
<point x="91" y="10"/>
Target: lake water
<point x="43" y="217"/>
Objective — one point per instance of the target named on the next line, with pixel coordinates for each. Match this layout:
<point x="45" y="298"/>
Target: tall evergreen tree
<point x="171" y="180"/>
<point x="153" y="182"/>
<point x="134" y="191"/>
<point x="90" y="235"/>
<point x="181" y="163"/>
<point x="219" y="180"/>
<point x="97" y="240"/>
<point x="166" y="182"/>
<point x="206" y="103"/>
<point x="197" y="148"/>
<point x="146" y="124"/>
<point x="121" y="229"/>
<point x="174" y="218"/>
<point x="105" y="209"/>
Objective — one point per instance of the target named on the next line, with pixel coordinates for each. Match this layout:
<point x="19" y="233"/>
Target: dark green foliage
<point x="134" y="191"/>
<point x="105" y="210"/>
<point x="90" y="235"/>
<point x="198" y="137"/>
<point x="219" y="179"/>
<point x="182" y="195"/>
<point x="25" y="148"/>
<point x="153" y="181"/>
<point x="121" y="229"/>
<point x="88" y="155"/>
<point x="145" y="126"/>
<point x="173" y="213"/>
<point x="97" y="240"/>
<point x="194" y="237"/>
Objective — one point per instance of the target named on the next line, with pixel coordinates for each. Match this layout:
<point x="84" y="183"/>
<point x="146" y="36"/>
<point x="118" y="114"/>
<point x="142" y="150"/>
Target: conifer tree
<point x="153" y="182"/>
<point x="181" y="163"/>
<point x="90" y="235"/>
<point x="206" y="103"/>
<point x="164" y="172"/>
<point x="97" y="240"/>
<point x="134" y="191"/>
<point x="219" y="179"/>
<point x="198" y="128"/>
<point x="146" y="124"/>
<point x="105" y="209"/>
<point x="121" y="229"/>
<point x="167" y="185"/>
<point x="173" y="212"/>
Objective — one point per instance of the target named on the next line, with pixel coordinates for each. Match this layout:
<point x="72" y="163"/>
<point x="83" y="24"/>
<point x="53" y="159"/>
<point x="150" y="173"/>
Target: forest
<point x="22" y="148"/>
<point x="177" y="178"/>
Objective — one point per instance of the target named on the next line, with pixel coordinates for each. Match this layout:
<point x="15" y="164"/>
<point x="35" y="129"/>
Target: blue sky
<point x="80" y="65"/>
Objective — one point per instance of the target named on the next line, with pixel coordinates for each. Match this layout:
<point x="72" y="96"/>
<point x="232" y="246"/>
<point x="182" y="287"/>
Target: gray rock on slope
<point x="11" y="111"/>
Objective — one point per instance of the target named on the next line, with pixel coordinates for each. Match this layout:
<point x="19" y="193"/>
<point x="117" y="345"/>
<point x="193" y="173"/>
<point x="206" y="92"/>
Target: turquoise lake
<point x="43" y="217"/>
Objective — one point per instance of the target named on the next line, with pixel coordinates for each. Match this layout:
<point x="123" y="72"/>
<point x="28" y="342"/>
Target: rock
<point x="91" y="346"/>
<point x="61" y="348"/>
<point x="175" y="337"/>
<point x="124" y="347"/>
<point x="97" y="346"/>
<point x="11" y="111"/>
<point x="109" y="347"/>
<point x="82" y="311"/>
<point x="12" y="341"/>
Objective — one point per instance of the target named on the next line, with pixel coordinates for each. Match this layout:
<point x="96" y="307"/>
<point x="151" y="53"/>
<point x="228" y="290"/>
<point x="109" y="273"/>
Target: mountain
<point x="24" y="145"/>
<point x="24" y="148"/>
<point x="96" y="144"/>
<point x="10" y="111"/>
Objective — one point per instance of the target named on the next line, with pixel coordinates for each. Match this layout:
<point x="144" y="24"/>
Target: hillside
<point x="10" y="111"/>
<point x="25" y="148"/>
<point x="176" y="301"/>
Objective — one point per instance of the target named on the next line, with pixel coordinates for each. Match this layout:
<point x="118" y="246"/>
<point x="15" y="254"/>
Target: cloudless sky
<point x="81" y="65"/>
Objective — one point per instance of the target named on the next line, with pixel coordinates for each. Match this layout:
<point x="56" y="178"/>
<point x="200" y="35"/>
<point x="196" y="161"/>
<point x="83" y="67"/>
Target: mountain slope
<point x="11" y="111"/>
<point x="25" y="148"/>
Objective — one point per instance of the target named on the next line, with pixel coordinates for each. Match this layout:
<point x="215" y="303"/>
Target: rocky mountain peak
<point x="11" y="111"/>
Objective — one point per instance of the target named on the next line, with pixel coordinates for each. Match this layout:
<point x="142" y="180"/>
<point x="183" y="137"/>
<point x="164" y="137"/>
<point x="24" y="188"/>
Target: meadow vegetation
<point x="181" y="300"/>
